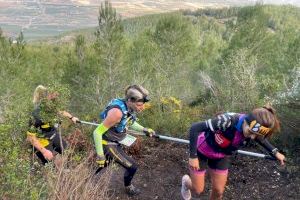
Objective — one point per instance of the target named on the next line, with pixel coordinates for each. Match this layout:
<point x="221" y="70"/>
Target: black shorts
<point x="55" y="144"/>
<point x="218" y="165"/>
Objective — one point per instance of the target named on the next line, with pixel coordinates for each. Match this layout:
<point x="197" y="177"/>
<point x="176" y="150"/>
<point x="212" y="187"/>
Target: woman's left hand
<point x="280" y="157"/>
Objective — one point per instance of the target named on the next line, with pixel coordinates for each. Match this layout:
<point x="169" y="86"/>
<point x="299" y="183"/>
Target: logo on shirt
<point x="222" y="141"/>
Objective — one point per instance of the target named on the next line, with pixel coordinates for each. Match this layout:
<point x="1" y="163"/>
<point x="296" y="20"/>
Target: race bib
<point x="128" y="140"/>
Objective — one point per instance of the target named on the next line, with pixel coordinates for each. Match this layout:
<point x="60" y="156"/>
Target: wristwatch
<point x="274" y="151"/>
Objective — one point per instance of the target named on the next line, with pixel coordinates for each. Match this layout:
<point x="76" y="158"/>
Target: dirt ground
<point x="162" y="164"/>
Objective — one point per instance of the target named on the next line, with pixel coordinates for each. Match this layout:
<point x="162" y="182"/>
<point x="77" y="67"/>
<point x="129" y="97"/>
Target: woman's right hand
<point x="194" y="163"/>
<point x="47" y="154"/>
<point x="280" y="157"/>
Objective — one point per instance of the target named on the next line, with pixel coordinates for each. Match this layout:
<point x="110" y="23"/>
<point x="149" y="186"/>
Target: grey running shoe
<point x="131" y="190"/>
<point x="185" y="191"/>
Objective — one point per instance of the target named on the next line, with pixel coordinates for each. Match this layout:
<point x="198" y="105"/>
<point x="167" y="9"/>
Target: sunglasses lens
<point x="146" y="99"/>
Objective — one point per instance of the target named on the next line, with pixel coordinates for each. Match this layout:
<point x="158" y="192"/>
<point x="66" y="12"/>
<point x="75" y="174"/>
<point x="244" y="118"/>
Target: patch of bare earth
<point x="162" y="164"/>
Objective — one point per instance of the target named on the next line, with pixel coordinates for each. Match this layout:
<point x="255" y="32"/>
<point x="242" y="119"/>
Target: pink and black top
<point x="221" y="136"/>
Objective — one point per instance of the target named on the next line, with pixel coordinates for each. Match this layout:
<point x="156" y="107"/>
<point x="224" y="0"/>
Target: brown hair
<point x="266" y="116"/>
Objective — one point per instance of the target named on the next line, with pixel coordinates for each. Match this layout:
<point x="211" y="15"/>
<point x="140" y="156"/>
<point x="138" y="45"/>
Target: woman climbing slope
<point x="213" y="141"/>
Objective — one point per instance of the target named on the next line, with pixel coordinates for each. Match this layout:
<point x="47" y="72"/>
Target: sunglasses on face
<point x="143" y="100"/>
<point x="258" y="129"/>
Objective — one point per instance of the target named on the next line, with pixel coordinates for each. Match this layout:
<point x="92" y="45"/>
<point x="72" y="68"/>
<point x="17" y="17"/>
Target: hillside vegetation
<point x="194" y="64"/>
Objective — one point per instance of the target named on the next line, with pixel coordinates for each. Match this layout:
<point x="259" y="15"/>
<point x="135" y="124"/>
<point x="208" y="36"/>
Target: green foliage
<point x="215" y="13"/>
<point x="175" y="39"/>
<point x="110" y="45"/>
<point x="179" y="117"/>
<point x="133" y="27"/>
<point x="17" y="84"/>
<point x="251" y="28"/>
<point x="294" y="52"/>
<point x="15" y="160"/>
<point x="288" y="107"/>
<point x="142" y="58"/>
<point x="80" y="68"/>
<point x="174" y="35"/>
<point x="212" y="60"/>
<point x="50" y="108"/>
<point x="211" y="43"/>
<point x="238" y="86"/>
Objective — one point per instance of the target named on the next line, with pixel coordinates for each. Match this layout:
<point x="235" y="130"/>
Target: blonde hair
<point x="39" y="93"/>
<point x="266" y="116"/>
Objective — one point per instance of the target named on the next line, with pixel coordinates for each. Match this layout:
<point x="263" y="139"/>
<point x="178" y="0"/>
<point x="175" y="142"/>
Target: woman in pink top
<point x="213" y="141"/>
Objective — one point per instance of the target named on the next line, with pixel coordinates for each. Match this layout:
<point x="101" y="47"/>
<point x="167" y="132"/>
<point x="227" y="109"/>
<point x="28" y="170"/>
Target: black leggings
<point x="55" y="144"/>
<point x="116" y="152"/>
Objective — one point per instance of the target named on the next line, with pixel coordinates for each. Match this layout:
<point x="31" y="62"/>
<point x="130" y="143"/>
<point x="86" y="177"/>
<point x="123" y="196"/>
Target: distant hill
<point x="40" y="19"/>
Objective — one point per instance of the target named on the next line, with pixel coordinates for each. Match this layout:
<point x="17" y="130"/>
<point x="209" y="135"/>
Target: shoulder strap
<point x="115" y="103"/>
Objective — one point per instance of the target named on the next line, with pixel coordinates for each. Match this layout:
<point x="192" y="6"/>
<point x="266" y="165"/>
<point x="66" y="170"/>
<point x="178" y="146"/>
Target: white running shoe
<point x="185" y="191"/>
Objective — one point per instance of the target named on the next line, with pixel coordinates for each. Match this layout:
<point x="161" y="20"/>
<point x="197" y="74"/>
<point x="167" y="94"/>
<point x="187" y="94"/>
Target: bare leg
<point x="198" y="181"/>
<point x="218" y="180"/>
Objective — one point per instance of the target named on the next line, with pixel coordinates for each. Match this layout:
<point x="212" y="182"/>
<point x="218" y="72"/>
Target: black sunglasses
<point x="144" y="99"/>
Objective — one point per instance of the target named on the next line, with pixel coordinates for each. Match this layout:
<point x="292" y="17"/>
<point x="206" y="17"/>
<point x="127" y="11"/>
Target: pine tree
<point x="110" y="46"/>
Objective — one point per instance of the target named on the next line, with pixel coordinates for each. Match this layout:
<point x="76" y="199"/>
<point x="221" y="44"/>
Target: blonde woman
<point x="43" y="133"/>
<point x="118" y="116"/>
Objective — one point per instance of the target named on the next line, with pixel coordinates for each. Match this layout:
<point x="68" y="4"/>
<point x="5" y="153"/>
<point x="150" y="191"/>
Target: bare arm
<point x="35" y="142"/>
<point x="114" y="116"/>
<point x="68" y="115"/>
<point x="264" y="142"/>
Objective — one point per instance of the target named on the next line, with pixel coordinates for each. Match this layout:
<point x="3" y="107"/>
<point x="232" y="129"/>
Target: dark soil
<point x="162" y="164"/>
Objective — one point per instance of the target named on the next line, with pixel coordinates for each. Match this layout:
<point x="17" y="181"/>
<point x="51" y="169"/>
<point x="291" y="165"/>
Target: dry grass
<point x="75" y="177"/>
<point x="78" y="182"/>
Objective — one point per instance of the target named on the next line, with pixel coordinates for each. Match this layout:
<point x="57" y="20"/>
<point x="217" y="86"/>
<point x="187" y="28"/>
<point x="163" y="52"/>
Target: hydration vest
<point x="127" y="119"/>
<point x="221" y="140"/>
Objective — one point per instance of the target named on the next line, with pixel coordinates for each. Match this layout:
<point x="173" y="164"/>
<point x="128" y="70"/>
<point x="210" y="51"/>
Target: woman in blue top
<point x="213" y="141"/>
<point x="118" y="116"/>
